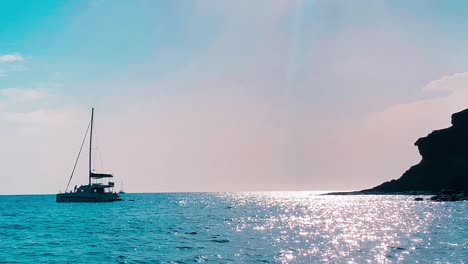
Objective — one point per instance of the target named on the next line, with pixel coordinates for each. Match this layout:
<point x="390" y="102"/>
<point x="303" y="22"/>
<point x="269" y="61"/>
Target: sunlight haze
<point x="225" y="95"/>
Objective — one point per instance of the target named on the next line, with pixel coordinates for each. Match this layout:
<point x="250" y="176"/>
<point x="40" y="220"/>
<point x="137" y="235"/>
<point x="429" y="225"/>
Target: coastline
<point x="437" y="196"/>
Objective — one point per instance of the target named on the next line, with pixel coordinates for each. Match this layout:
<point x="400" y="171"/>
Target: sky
<point x="208" y="95"/>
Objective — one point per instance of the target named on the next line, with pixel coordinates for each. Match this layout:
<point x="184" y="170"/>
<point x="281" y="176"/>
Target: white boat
<point x="100" y="188"/>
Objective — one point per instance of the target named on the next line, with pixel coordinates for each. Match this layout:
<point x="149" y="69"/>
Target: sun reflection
<point x="309" y="227"/>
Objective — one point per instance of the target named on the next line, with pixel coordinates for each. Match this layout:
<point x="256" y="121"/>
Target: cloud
<point x="454" y="82"/>
<point x="14" y="57"/>
<point x="362" y="153"/>
<point x="47" y="140"/>
<point x="252" y="108"/>
<point x="24" y="95"/>
<point x="252" y="111"/>
<point x="65" y="116"/>
<point x="31" y="106"/>
<point x="433" y="113"/>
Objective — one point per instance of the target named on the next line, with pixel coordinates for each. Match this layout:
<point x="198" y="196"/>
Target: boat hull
<point x="87" y="197"/>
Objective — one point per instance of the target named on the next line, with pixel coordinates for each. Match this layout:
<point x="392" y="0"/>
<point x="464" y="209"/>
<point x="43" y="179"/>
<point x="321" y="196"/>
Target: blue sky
<point x="82" y="42"/>
<point x="240" y="95"/>
<point x="86" y="42"/>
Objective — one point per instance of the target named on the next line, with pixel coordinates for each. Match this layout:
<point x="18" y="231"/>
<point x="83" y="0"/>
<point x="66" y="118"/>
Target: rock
<point x="444" y="163"/>
<point x="418" y="199"/>
<point x="450" y="196"/>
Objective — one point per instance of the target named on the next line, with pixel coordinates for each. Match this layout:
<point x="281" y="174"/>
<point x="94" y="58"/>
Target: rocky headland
<point x="443" y="170"/>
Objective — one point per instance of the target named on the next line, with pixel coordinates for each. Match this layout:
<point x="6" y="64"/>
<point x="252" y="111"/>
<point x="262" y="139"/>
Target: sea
<point x="253" y="227"/>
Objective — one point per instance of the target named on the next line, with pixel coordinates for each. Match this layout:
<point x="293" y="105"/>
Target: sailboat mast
<point x="90" y="143"/>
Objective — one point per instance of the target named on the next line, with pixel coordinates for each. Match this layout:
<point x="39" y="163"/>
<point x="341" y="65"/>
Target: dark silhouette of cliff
<point x="444" y="164"/>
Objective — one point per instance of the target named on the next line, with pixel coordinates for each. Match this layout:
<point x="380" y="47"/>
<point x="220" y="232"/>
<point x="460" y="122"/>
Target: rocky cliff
<point x="444" y="163"/>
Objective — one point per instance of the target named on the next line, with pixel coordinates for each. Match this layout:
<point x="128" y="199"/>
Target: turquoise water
<point x="285" y="227"/>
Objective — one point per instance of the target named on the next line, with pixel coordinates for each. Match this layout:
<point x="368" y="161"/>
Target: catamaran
<point x="100" y="188"/>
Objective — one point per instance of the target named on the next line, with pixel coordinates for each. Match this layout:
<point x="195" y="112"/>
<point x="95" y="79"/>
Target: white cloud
<point x="380" y="147"/>
<point x="245" y="110"/>
<point x="54" y="117"/>
<point x="248" y="134"/>
<point x="11" y="57"/>
<point x="47" y="140"/>
<point x="22" y="95"/>
<point x="452" y="82"/>
<point x="431" y="113"/>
